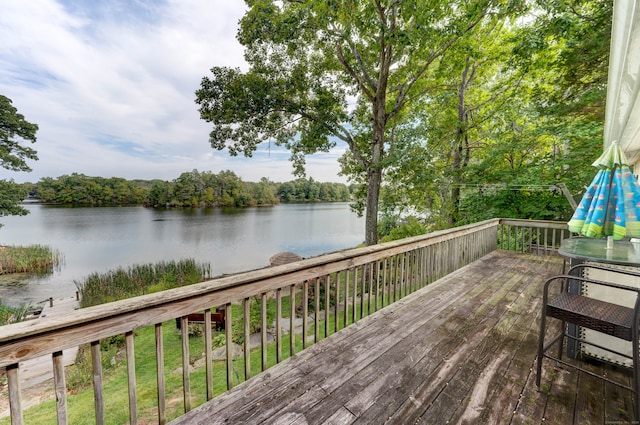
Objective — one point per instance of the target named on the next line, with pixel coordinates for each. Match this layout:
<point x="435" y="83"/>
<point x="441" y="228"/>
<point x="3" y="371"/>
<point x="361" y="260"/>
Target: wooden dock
<point x="462" y="350"/>
<point x="39" y="370"/>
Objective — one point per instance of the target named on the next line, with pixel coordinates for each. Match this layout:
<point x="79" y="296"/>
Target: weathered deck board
<point x="461" y="350"/>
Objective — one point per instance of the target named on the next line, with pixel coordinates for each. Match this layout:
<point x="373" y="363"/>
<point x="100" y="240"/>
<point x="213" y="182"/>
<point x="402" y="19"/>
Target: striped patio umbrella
<point x="611" y="204"/>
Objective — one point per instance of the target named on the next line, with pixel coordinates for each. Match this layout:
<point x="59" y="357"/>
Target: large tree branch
<point x="363" y="87"/>
<point x="372" y="83"/>
<point x="336" y="130"/>
<point x="401" y="99"/>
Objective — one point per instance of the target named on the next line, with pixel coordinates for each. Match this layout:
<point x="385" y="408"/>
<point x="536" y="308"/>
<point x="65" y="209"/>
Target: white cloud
<point x="111" y="85"/>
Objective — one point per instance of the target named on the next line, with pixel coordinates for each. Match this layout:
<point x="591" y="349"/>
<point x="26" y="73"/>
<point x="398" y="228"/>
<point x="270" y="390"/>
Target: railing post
<point x="131" y="376"/>
<point x="208" y="343"/>
<point x="15" y="395"/>
<point x="162" y="411"/>
<point x="305" y="312"/>
<point x="247" y="338"/>
<point x="278" y="325"/>
<point x="263" y="331"/>
<point x="228" y="329"/>
<point x="186" y="382"/>
<point x="98" y="393"/>
<point x="60" y="387"/>
<point x="292" y="321"/>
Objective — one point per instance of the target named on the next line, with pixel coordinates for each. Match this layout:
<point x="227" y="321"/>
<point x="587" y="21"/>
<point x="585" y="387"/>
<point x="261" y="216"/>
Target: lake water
<point x="229" y="239"/>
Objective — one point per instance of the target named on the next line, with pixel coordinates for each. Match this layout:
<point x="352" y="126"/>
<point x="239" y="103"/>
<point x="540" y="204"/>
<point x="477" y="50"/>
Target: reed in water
<point x="139" y="279"/>
<point x="36" y="259"/>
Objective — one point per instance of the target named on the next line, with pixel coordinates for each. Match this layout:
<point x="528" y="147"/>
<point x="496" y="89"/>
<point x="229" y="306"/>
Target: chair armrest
<point x="566" y="278"/>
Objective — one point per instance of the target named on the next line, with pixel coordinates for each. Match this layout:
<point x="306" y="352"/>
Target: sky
<point x="111" y="85"/>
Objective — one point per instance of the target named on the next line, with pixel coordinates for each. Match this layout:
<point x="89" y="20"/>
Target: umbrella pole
<point x="606" y="207"/>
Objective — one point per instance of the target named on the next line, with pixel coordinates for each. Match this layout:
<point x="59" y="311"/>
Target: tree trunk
<point x="459" y="144"/>
<point x="374" y="170"/>
<point x="371" y="214"/>
<point x="456" y="170"/>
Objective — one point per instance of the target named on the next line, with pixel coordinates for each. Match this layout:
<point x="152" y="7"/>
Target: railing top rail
<point x="33" y="338"/>
<point x="534" y="223"/>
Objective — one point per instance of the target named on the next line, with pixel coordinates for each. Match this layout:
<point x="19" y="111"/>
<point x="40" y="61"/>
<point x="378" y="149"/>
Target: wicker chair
<point x="573" y="306"/>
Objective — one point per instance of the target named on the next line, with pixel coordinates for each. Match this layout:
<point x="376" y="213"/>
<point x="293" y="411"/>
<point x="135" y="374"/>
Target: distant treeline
<point x="191" y="189"/>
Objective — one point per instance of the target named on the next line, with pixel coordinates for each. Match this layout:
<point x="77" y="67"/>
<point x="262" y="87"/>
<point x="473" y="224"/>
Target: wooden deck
<point x="461" y="350"/>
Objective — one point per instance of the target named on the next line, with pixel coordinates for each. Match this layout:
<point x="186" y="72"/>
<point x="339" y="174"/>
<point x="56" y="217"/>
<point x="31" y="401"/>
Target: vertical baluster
<point x="345" y="313"/>
<point x="354" y="294"/>
<point x="162" y="408"/>
<point x="228" y="332"/>
<point x="436" y="261"/>
<point x="377" y="301"/>
<point x="305" y="312"/>
<point x="363" y="282"/>
<point x="278" y="325"/>
<point x="98" y="393"/>
<point x="424" y="271"/>
<point x="418" y="269"/>
<point x="327" y="309"/>
<point x="247" y="338"/>
<point x="409" y="259"/>
<point x="15" y="395"/>
<point x="403" y="274"/>
<point x="369" y="268"/>
<point x="395" y="265"/>
<point x="263" y="331"/>
<point x="292" y="321"/>
<point x="131" y="378"/>
<point x="386" y="282"/>
<point x="337" y="304"/>
<point x="546" y="238"/>
<point x="412" y="270"/>
<point x="186" y="384"/>
<point x="316" y="309"/>
<point x="208" y="359"/>
<point x="60" y="387"/>
<point x="368" y="271"/>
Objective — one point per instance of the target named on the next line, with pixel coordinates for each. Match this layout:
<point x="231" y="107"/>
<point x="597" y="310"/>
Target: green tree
<point x="262" y="193"/>
<point x="309" y="59"/>
<point x="555" y="128"/>
<point x="160" y="193"/>
<point x="15" y="132"/>
<point x="188" y="188"/>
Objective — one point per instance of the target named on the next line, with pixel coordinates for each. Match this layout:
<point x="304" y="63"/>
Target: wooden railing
<point x="534" y="236"/>
<point x="322" y="295"/>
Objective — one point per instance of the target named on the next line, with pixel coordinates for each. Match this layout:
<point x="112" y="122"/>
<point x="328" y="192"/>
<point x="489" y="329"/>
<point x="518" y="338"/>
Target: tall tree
<point x="14" y="153"/>
<point x="556" y="127"/>
<point x="480" y="85"/>
<point x="323" y="71"/>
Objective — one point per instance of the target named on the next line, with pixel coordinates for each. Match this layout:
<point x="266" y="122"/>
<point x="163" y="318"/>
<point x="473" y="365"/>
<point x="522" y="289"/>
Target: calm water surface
<point x="230" y="240"/>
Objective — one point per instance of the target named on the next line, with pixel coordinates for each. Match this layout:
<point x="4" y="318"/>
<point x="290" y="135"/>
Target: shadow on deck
<point x="461" y="350"/>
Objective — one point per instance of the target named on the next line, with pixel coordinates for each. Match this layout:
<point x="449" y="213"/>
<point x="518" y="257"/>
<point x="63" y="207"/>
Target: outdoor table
<point x="581" y="250"/>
